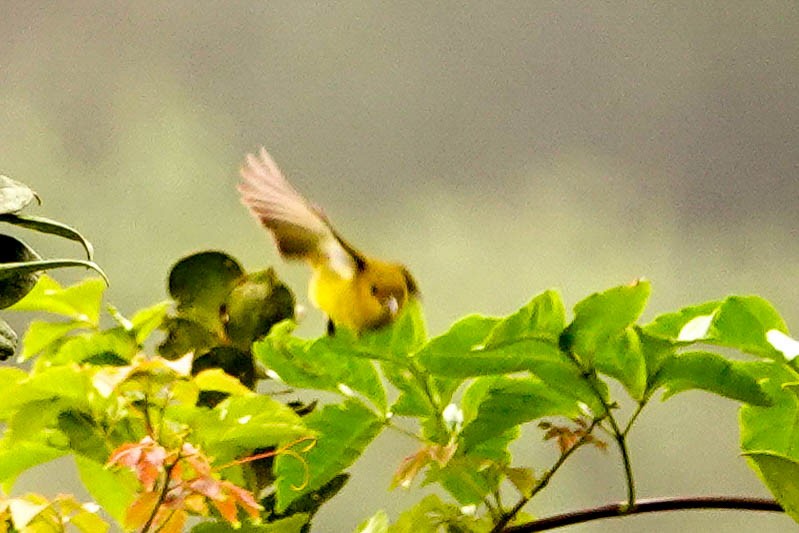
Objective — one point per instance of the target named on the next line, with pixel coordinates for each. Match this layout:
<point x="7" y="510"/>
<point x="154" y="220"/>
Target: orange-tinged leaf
<point x="172" y="522"/>
<point x="140" y="510"/>
<point x="244" y="498"/>
<point x="227" y="508"/>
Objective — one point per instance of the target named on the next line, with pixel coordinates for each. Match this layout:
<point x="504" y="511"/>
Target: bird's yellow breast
<point x="343" y="300"/>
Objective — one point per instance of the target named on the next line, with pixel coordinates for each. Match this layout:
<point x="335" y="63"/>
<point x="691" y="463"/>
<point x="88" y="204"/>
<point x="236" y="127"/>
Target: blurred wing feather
<point x="299" y="229"/>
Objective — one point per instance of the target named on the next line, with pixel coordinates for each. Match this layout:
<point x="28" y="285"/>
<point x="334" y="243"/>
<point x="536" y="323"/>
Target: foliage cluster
<point x="194" y="426"/>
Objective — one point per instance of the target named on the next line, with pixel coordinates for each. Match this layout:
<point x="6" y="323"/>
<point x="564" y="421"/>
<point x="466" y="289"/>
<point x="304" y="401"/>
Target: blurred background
<point x="498" y="149"/>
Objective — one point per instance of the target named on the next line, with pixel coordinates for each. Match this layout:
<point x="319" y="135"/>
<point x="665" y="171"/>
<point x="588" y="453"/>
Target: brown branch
<point x="652" y="505"/>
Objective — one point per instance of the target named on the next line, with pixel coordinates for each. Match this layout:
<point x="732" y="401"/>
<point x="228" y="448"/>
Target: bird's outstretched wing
<point x="299" y="229"/>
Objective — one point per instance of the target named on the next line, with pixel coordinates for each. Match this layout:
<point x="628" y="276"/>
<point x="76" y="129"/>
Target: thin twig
<point x="162" y="496"/>
<point x="541" y="483"/>
<point x="651" y="505"/>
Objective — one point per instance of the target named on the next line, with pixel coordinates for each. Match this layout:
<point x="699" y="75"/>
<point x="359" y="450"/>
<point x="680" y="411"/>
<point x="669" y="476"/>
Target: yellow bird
<point x="355" y="291"/>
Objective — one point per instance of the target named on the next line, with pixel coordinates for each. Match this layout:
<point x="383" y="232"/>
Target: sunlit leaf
<point x="781" y="475"/>
<point x="22" y="456"/>
<point x="713" y="373"/>
<point x="327" y="363"/>
<point x="377" y="523"/>
<point x="344" y="432"/>
<point x="147" y="320"/>
<point x="217" y="380"/>
<point x="41" y="335"/>
<point x="544" y="318"/>
<point x="509" y="402"/>
<point x="774" y="428"/>
<point x="80" y="302"/>
<point x="604" y="316"/>
<point x="621" y="357"/>
<point x="113" y="489"/>
<point x="670" y="325"/>
<point x="400" y="339"/>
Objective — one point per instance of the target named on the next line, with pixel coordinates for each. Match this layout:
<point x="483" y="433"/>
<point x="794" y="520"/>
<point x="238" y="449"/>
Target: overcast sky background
<point x="496" y="148"/>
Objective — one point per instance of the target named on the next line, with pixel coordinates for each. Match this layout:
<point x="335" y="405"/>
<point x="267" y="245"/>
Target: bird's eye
<point x="374" y="290"/>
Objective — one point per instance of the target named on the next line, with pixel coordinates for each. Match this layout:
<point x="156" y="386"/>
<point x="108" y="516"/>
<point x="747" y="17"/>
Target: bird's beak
<point x="392" y="305"/>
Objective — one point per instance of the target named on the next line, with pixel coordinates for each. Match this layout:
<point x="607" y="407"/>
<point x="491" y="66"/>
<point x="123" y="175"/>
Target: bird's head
<point x="387" y="286"/>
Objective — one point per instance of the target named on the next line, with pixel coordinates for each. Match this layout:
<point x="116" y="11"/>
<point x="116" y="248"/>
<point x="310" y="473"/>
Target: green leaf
<point x="45" y="225"/>
<point x="32" y="267"/>
<point x="85" y="437"/>
<point x="200" y="284"/>
<point x="510" y="402"/>
<point x="466" y="479"/>
<point x="147" y="320"/>
<point x="80" y="302"/>
<point x="544" y="318"/>
<point x="622" y="358"/>
<point x="113" y="489"/>
<point x="8" y="340"/>
<point x="781" y="475"/>
<point x="42" y="335"/>
<point x="412" y="400"/>
<point x="670" y="325"/>
<point x="216" y="379"/>
<point x="743" y="321"/>
<point x="14" y="196"/>
<point x="344" y="432"/>
<point x="713" y="373"/>
<point x="291" y="524"/>
<point x="15" y="282"/>
<point x="377" y="523"/>
<point x="184" y="336"/>
<point x="56" y="382"/>
<point x="115" y="343"/>
<point x="398" y="340"/>
<point x="604" y="316"/>
<point x="740" y="322"/>
<point x="655" y="351"/>
<point x="446" y="353"/>
<point x="328" y="363"/>
<point x="22" y="456"/>
<point x="255" y="305"/>
<point x="774" y="428"/>
<point x="431" y="514"/>
<point x="246" y="423"/>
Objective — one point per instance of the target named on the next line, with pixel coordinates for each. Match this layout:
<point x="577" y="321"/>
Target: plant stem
<point x="544" y="481"/>
<point x="652" y="505"/>
<point x="161" y="497"/>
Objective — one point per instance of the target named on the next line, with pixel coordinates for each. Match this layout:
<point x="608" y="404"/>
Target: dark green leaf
<point x="344" y="432"/>
<point x="509" y="402"/>
<point x="780" y="475"/>
<point x="14" y="195"/>
<point x="200" y="284"/>
<point x="14" y="269"/>
<point x="655" y="351"/>
<point x="85" y="438"/>
<point x="713" y="373"/>
<point x="15" y="283"/>
<point x="604" y="316"/>
<point x="45" y="225"/>
<point x="8" y="340"/>
<point x="543" y="318"/>
<point x="309" y="503"/>
<point x="183" y="336"/>
<point x="255" y="305"/>
<point x="80" y="302"/>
